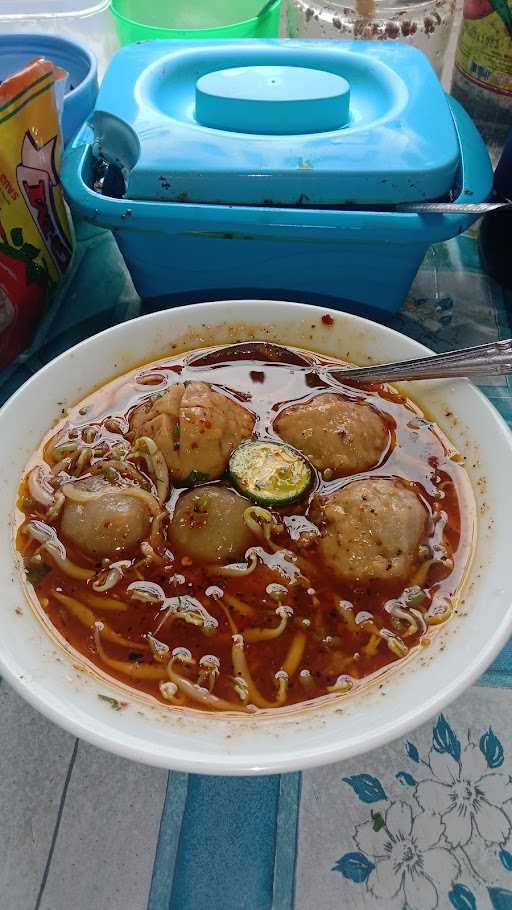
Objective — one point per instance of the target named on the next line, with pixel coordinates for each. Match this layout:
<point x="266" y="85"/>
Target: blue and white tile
<point x="423" y="823"/>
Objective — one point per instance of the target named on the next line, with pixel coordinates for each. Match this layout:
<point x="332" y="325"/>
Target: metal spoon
<point x="493" y="359"/>
<point x="452" y="208"/>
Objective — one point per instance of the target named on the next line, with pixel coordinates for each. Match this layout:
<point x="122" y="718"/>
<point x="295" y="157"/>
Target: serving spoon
<point x="492" y="359"/>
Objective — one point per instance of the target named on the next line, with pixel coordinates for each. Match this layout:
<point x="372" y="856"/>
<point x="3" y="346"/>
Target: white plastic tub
<point x="87" y="21"/>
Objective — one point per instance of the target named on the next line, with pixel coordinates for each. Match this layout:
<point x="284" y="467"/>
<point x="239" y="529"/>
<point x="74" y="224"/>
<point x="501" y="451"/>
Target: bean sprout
<point x="236" y="570"/>
<point x="346" y="611"/>
<point x="193" y="690"/>
<point x="55" y="509"/>
<point x="342" y="685"/>
<point x="242" y="672"/>
<point x="395" y="608"/>
<point x="267" y="634"/>
<point x="434" y="618"/>
<point x="306" y="680"/>
<point x="209" y="671"/>
<point x="394" y="643"/>
<point x="116" y="424"/>
<point x="157" y="465"/>
<point x="84" y="459"/>
<point x="156" y="529"/>
<point x="109" y="578"/>
<point x="259" y="521"/>
<point x="160" y="651"/>
<point x="127" y="667"/>
<point x="123" y="467"/>
<point x="76" y="494"/>
<point x="372" y="645"/>
<point x="420" y="620"/>
<point x="56" y="550"/>
<point x="414" y="597"/>
<point x="241" y="688"/>
<point x="39" y="487"/>
<point x="276" y="591"/>
<point x="89" y="434"/>
<point x="191" y="611"/>
<point x="218" y="595"/>
<point x="146" y="591"/>
<point x="168" y="691"/>
<point x="295" y="653"/>
<point x="67" y="447"/>
<point x="149" y="554"/>
<point x="281" y="678"/>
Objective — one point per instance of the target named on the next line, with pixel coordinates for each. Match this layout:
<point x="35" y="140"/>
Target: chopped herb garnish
<point x="113" y="702"/>
<point x="196" y="477"/>
<point x="35" y="574"/>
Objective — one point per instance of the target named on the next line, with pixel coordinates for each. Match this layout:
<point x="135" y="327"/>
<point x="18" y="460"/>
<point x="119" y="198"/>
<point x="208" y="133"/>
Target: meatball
<point x="346" y="436"/>
<point x="105" y="526"/>
<point x="208" y="525"/>
<point x="371" y="530"/>
<point x="196" y="429"/>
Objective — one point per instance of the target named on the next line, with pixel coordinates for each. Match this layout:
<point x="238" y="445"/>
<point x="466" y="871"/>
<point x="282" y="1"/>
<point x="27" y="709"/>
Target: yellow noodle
<point x="88" y="619"/>
<point x="292" y="660"/>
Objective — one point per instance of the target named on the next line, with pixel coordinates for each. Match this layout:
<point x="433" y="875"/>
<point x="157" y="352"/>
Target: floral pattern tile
<point x="424" y="824"/>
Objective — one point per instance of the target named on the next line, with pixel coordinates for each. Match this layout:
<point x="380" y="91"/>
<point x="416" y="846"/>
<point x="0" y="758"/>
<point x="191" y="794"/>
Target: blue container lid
<point x="277" y="122"/>
<point x="17" y="50"/>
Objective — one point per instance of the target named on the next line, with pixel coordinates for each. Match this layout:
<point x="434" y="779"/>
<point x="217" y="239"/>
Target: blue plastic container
<point x="82" y="88"/>
<point x="272" y="167"/>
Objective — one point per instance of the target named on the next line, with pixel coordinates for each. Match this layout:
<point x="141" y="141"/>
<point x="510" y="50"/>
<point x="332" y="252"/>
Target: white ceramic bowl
<point x="56" y="682"/>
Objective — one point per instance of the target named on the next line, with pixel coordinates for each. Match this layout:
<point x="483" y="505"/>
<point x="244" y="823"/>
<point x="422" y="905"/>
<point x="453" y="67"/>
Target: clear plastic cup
<point x="138" y="20"/>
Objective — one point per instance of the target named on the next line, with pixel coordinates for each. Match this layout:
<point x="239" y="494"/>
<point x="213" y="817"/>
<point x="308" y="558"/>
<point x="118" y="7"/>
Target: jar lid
<point x="283" y="123"/>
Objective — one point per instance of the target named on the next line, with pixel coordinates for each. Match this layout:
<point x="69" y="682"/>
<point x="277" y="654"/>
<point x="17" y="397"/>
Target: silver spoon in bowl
<point x="484" y="360"/>
<point x="492" y="359"/>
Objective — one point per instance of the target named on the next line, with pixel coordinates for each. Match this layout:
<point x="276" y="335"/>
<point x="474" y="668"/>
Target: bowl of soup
<point x="222" y="557"/>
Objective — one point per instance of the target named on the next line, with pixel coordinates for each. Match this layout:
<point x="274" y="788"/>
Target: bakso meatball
<point x="208" y="525"/>
<point x="196" y="429"/>
<point x="345" y="436"/>
<point x="371" y="530"/>
<point x="108" y="525"/>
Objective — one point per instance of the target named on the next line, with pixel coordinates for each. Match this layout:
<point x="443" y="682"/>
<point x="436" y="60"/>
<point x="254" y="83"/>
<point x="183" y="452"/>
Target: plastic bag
<point x="35" y="232"/>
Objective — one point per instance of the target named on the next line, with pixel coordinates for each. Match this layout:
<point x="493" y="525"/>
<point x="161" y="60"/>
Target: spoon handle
<point x="453" y="208"/>
<point x="484" y="360"/>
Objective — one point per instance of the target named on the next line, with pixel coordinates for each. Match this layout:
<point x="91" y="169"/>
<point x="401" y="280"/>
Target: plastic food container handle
<point x="477" y="175"/>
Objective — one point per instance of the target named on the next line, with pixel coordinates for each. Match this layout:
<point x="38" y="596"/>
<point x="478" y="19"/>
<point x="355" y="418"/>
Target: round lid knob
<point x="272" y="100"/>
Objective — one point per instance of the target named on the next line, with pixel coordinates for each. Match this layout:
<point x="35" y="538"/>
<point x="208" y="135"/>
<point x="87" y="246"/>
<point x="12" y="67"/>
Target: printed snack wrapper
<point x="35" y="231"/>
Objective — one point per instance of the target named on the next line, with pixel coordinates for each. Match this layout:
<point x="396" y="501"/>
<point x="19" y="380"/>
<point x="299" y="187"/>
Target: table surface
<point x="420" y="824"/>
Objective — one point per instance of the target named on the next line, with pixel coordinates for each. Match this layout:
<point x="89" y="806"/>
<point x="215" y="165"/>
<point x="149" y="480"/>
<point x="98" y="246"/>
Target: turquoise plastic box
<point x="272" y="168"/>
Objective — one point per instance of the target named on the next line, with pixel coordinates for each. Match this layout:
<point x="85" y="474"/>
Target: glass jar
<point x="425" y="25"/>
<point x="482" y="77"/>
